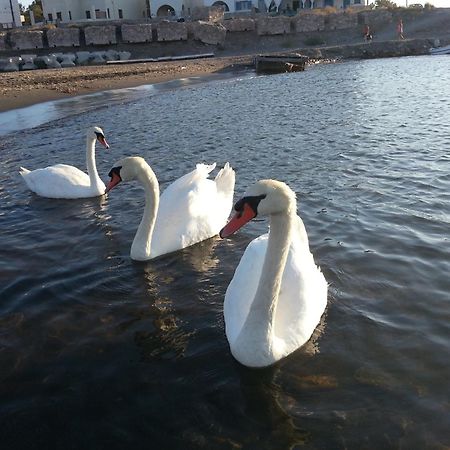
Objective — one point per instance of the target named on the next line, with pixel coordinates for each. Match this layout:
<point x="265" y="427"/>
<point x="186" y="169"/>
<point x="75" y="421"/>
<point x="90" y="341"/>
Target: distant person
<point x="400" y="29"/>
<point x="367" y="34"/>
<point x="366" y="30"/>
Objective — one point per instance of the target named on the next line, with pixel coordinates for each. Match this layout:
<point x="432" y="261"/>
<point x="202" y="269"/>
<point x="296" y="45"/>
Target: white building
<point x="79" y="10"/>
<point x="9" y="14"/>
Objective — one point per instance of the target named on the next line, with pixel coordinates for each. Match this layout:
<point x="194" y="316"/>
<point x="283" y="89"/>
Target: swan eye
<point x="239" y="206"/>
<point x="252" y="201"/>
<point x="115" y="170"/>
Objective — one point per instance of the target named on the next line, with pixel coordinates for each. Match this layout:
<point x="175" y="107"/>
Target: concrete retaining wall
<point x="100" y="35"/>
<point x="172" y="31"/>
<point x="137" y="33"/>
<point x="239" y="25"/>
<point x="26" y="39"/>
<point x="273" y="25"/>
<point x="63" y="37"/>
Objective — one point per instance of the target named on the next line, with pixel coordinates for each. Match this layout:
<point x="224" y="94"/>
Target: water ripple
<point x="97" y="350"/>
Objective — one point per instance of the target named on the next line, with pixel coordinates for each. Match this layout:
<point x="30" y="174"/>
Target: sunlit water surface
<point x="97" y="351"/>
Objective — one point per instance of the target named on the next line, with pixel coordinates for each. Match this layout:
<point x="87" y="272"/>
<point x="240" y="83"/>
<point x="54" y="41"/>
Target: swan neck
<point x="259" y="323"/>
<point x="274" y="263"/>
<point x="141" y="247"/>
<point x="90" y="161"/>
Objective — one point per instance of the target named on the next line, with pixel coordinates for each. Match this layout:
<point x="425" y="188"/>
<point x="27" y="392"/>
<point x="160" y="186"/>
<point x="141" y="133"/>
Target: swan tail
<point x="23" y="171"/>
<point x="225" y="180"/>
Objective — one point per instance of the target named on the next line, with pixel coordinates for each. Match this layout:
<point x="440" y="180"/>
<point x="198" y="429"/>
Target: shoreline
<point x="22" y="89"/>
<point x="423" y="30"/>
<point x="27" y="88"/>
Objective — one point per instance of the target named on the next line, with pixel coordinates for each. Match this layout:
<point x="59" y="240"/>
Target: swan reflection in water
<point x="199" y="350"/>
<point x="270" y="394"/>
<point x="171" y="286"/>
<point x="201" y="257"/>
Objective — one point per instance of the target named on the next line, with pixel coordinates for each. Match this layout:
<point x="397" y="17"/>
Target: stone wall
<point x="273" y="25"/>
<point x="208" y="33"/>
<point x="239" y="25"/>
<point x="63" y="37"/>
<point x="308" y="22"/>
<point x="100" y="35"/>
<point x="137" y="33"/>
<point x="172" y="31"/>
<point x="382" y="49"/>
<point x="376" y="17"/>
<point x="24" y="39"/>
<point x="111" y="33"/>
<point x="341" y="21"/>
<point x="3" y="40"/>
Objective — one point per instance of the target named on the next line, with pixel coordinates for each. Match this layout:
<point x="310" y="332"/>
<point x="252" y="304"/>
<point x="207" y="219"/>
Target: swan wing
<point x="302" y="298"/>
<point x="192" y="209"/>
<point x="58" y="181"/>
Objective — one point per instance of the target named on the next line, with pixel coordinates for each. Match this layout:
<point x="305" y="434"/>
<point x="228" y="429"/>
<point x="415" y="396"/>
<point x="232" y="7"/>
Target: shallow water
<point x="97" y="351"/>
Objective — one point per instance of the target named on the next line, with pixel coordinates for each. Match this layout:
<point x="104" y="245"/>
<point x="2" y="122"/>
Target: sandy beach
<point x="21" y="89"/>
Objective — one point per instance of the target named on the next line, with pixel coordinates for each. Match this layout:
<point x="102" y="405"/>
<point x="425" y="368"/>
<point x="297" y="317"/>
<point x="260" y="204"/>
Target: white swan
<point x="190" y="210"/>
<point x="63" y="181"/>
<point x="277" y="295"/>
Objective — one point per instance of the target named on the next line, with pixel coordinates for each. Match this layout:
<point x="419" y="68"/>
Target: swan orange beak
<point x="102" y="141"/>
<point x="238" y="221"/>
<point x="115" y="180"/>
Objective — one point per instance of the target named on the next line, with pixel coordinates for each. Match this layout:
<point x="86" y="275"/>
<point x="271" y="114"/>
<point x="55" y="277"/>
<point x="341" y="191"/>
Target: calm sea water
<point x="97" y="351"/>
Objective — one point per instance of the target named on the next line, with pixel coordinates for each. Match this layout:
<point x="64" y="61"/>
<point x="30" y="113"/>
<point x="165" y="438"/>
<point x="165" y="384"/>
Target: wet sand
<point x="21" y="89"/>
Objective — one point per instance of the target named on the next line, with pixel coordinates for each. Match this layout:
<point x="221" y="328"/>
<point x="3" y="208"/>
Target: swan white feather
<point x="190" y="210"/>
<point x="64" y="181"/>
<point x="264" y="323"/>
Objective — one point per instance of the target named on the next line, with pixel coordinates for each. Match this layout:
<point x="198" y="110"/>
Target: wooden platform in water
<point x="290" y="62"/>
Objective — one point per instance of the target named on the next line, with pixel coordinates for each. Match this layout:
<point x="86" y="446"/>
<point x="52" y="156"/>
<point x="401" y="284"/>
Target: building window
<point x="100" y="14"/>
<point x="243" y="5"/>
<point x="50" y="17"/>
<point x="88" y="14"/>
<point x="59" y="15"/>
<point x="109" y="15"/>
<point x="120" y="14"/>
<point x="70" y="15"/>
